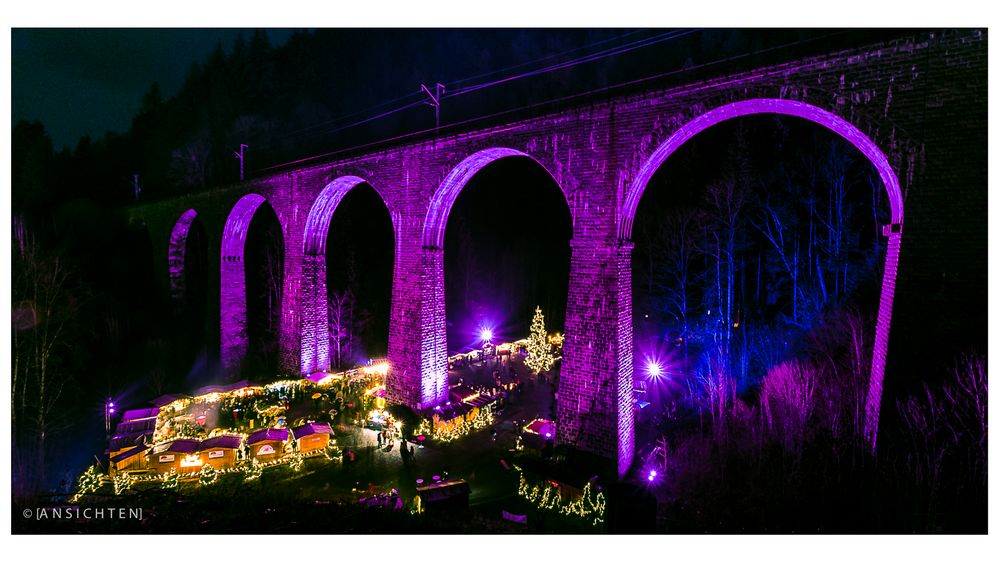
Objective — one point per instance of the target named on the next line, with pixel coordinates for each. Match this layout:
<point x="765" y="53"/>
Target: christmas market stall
<point x="267" y="444"/>
<point x="444" y="495"/>
<point x="180" y="455"/>
<point x="221" y="451"/>
<point x="134" y="430"/>
<point x="131" y="460"/>
<point x="312" y="436"/>
<point x="542" y="428"/>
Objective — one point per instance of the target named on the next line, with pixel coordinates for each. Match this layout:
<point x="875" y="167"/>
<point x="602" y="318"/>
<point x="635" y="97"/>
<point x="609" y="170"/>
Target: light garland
<point x="539" y="353"/>
<point x="331" y="451"/>
<point x="171" y="479"/>
<point x="89" y="482"/>
<point x="122" y="483"/>
<point x="483" y="419"/>
<point x="548" y="497"/>
<point x="208" y="475"/>
<point x="254" y="470"/>
<point x="296" y="462"/>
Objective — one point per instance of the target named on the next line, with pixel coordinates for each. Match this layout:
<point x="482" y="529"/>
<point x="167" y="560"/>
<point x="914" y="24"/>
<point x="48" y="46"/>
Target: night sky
<point x="88" y="81"/>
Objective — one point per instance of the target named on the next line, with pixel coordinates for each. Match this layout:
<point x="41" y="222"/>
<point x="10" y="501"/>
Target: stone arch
<point x="315" y="326"/>
<point x="232" y="306"/>
<point x="445" y="196"/>
<point x="177" y="253"/>
<point x="433" y="383"/>
<point x="859" y="140"/>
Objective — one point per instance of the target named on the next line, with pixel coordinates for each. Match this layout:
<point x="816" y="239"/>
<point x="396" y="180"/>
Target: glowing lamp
<point x="654" y="369"/>
<point x="652" y="475"/>
<point x="486" y="334"/>
<point x="191" y="460"/>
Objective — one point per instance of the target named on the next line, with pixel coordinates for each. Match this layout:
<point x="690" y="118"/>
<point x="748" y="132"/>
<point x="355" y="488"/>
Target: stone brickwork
<point x="901" y="103"/>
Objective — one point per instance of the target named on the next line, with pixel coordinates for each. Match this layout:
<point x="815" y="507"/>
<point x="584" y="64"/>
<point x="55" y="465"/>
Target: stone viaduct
<point x="879" y="98"/>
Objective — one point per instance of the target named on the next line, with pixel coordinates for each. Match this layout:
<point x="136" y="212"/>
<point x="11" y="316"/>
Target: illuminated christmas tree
<point x="539" y="353"/>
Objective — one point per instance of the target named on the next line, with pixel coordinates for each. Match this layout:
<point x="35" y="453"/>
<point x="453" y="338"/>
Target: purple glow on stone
<point x="859" y="140"/>
<point x="317" y="225"/>
<point x="176" y="252"/>
<point x="433" y="370"/>
<point x="315" y="355"/>
<point x="233" y="281"/>
<point x="450" y="188"/>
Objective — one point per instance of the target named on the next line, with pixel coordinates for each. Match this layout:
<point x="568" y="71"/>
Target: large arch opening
<point x="347" y="277"/>
<point x="775" y="217"/>
<point x="251" y="285"/>
<point x="187" y="268"/>
<point x="504" y="228"/>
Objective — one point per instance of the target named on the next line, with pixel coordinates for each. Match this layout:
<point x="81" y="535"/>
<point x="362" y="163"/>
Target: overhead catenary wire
<point x="603" y="89"/>
<point x="417" y="92"/>
<point x="318" y="129"/>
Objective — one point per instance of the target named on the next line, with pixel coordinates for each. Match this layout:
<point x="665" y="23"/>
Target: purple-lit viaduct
<point x="601" y="155"/>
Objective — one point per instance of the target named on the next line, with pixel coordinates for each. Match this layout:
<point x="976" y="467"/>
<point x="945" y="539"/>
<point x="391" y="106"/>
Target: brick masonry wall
<point x="921" y="100"/>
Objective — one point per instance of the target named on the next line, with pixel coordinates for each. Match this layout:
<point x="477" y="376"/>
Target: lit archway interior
<point x="855" y="137"/>
<point x="435" y="323"/>
<point x="353" y="293"/>
<point x="235" y="322"/>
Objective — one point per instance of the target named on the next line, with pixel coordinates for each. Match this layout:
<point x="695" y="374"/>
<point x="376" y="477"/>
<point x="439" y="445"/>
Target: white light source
<point x="486" y="334"/>
<point x="654" y="369"/>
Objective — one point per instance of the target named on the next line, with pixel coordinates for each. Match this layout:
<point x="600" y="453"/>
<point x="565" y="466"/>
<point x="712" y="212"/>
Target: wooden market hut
<point x="446" y="495"/>
<point x="462" y="393"/>
<point x="312" y="436"/>
<point x="267" y="444"/>
<point x="130" y="460"/>
<point x="179" y="454"/>
<point x="452" y="415"/>
<point x="220" y="452"/>
<point x="133" y="431"/>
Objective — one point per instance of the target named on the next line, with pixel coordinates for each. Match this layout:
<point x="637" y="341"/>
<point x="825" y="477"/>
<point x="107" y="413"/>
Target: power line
<point x="548" y="57"/>
<point x="461" y="81"/>
<point x="555" y="101"/>
<point x="621" y="49"/>
<point x="575" y="62"/>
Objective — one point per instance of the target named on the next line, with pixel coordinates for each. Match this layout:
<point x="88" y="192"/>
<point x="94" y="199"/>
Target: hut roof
<point x="177" y="446"/>
<point x="267" y="434"/>
<point x="541" y="427"/>
<point x="140" y="414"/>
<point x="221" y="442"/>
<point x="312" y="429"/>
<point x="223" y="387"/>
<point x="129" y="453"/>
<point x="482" y="400"/>
<point x="460" y="393"/>
<point x="450" y="411"/>
<point x="145" y="425"/>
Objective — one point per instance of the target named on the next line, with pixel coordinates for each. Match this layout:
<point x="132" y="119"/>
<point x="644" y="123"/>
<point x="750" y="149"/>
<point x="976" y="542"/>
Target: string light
<point x="122" y="483"/>
<point x="208" y="475"/>
<point x="546" y="496"/>
<point x="171" y="479"/>
<point x="88" y="483"/>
